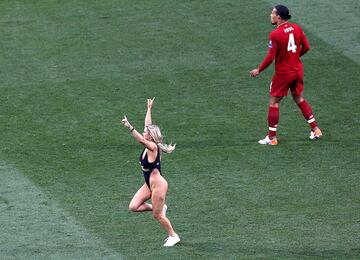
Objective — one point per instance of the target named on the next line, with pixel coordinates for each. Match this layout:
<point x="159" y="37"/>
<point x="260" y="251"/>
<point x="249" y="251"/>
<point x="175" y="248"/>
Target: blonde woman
<point x="155" y="186"/>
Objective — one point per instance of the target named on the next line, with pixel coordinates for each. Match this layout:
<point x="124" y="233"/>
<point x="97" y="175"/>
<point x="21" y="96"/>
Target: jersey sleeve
<point x="305" y="46"/>
<point x="270" y="55"/>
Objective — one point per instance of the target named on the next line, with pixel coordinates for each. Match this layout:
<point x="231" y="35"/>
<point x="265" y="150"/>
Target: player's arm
<point x="305" y="46"/>
<point x="269" y="58"/>
<point x="150" y="103"/>
<point x="137" y="136"/>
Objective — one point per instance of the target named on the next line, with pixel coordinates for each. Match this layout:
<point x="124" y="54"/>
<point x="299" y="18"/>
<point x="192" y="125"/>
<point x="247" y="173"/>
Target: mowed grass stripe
<point x="314" y="17"/>
<point x="61" y="105"/>
<point x="34" y="226"/>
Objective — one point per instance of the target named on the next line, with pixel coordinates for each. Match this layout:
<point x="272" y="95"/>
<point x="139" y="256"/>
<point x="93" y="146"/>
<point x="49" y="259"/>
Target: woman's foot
<point x="172" y="240"/>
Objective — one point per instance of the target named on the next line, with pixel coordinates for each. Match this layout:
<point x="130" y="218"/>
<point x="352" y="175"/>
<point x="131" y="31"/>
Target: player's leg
<point x="273" y="120"/>
<point x="305" y="108"/>
<point x="278" y="89"/>
<point x="308" y="115"/>
<point x="138" y="202"/>
<point x="273" y="116"/>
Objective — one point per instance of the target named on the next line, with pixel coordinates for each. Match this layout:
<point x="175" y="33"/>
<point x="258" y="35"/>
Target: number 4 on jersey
<point x="291" y="43"/>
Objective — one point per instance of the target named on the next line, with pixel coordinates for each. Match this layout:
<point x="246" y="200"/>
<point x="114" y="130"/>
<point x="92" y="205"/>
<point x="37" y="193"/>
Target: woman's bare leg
<point x="158" y="200"/>
<point x="138" y="202"/>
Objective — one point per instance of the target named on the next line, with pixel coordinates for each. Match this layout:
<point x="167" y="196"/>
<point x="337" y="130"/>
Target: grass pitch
<point x="70" y="70"/>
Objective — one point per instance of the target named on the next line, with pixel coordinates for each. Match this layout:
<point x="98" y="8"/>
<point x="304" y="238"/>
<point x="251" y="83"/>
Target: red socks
<point x="273" y="120"/>
<point x="308" y="113"/>
<point x="273" y="117"/>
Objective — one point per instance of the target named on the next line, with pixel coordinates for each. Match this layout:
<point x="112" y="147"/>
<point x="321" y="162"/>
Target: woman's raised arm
<point x="148" y="120"/>
<point x="137" y="136"/>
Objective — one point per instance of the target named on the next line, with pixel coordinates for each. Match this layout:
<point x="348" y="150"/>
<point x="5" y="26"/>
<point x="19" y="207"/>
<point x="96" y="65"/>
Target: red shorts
<point x="281" y="84"/>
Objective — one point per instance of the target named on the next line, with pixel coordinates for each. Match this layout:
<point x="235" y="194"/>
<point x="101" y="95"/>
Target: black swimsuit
<point x="147" y="167"/>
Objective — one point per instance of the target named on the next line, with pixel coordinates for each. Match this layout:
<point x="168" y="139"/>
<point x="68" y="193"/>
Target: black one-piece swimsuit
<point x="147" y="167"/>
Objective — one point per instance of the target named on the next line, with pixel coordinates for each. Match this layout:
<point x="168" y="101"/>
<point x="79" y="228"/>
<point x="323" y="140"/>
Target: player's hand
<point x="150" y="102"/>
<point x="254" y="72"/>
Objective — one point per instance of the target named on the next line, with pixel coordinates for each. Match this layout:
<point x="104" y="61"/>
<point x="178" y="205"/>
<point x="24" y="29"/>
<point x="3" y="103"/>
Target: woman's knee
<point x="132" y="207"/>
<point x="158" y="200"/>
<point x="158" y="197"/>
<point x="158" y="215"/>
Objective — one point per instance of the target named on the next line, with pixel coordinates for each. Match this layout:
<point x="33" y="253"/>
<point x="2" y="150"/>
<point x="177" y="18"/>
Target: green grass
<point x="70" y="70"/>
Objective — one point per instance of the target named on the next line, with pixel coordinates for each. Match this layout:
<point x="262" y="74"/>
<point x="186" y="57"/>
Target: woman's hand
<point x="125" y="122"/>
<point x="150" y="102"/>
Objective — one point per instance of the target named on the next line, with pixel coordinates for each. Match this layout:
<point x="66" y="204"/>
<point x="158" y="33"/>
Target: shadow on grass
<point x="215" y="250"/>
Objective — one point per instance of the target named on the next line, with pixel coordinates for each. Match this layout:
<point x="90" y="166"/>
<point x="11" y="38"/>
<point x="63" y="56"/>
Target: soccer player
<point x="155" y="186"/>
<point x="287" y="43"/>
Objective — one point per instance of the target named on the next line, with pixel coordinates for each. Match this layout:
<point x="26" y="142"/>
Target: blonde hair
<point x="156" y="135"/>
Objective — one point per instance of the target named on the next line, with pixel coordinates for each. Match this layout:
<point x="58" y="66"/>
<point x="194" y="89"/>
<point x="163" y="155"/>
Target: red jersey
<point x="287" y="43"/>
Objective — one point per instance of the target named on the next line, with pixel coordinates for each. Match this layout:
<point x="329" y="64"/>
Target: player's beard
<point x="272" y="21"/>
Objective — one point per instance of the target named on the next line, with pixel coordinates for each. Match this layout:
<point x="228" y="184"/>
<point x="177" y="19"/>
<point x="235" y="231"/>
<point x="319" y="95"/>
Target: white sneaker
<point x="165" y="209"/>
<point x="268" y="141"/>
<point x="171" y="241"/>
<point x="316" y="134"/>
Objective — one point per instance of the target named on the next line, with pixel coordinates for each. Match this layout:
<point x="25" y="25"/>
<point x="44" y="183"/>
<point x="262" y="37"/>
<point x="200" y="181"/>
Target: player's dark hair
<point x="283" y="12"/>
